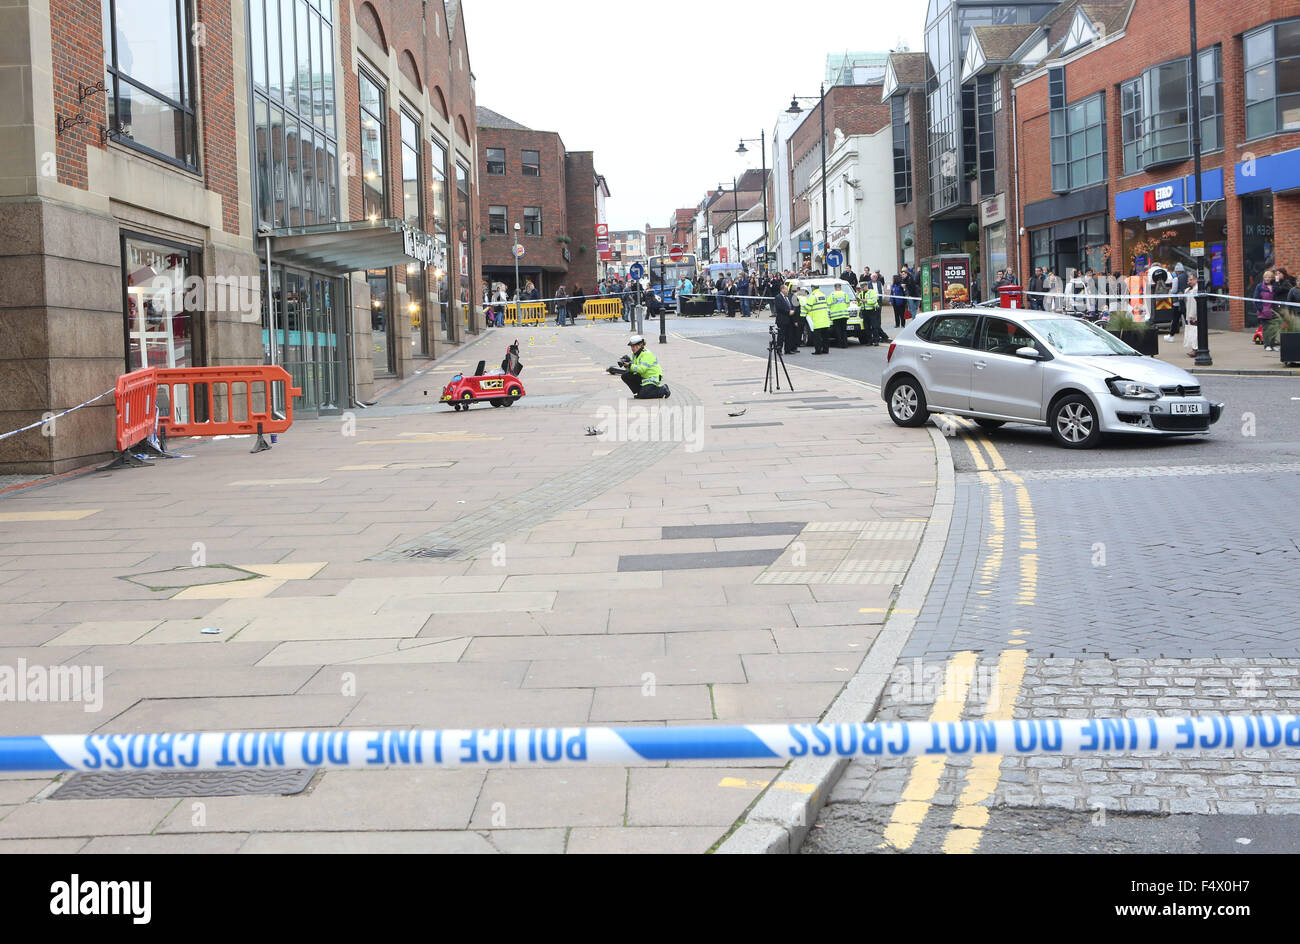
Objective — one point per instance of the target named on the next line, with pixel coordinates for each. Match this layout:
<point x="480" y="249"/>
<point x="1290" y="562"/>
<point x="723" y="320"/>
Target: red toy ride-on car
<point x="500" y="388"/>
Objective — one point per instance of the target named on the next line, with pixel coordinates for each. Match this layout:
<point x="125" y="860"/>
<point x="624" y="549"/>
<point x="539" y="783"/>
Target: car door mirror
<point x="1029" y="353"/>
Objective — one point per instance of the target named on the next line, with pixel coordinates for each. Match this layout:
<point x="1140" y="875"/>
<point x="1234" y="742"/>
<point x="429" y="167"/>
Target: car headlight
<point x="1132" y="390"/>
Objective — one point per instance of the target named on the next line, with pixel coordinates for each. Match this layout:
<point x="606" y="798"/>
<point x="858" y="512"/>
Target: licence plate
<point x="1188" y="408"/>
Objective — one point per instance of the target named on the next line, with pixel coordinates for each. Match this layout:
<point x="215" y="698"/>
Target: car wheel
<point x="907" y="403"/>
<point x="497" y="401"/>
<point x="466" y="399"/>
<point x="1075" y="423"/>
<point x="990" y="424"/>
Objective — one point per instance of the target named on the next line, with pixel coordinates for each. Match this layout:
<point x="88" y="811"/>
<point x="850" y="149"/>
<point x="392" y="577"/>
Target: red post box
<point x="1011" y="296"/>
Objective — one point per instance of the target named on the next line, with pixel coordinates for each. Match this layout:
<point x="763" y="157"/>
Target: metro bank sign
<point x="1158" y="199"/>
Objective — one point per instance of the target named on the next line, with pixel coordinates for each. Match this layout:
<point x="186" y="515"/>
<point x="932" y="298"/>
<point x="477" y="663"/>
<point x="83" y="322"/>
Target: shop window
<point x="1079" y="144"/>
<point x="532" y="221"/>
<point x="163" y="304"/>
<point x="496" y="161"/>
<point x="1272" y="64"/>
<point x="532" y="163"/>
<point x="149" y="78"/>
<point x="497" y="220"/>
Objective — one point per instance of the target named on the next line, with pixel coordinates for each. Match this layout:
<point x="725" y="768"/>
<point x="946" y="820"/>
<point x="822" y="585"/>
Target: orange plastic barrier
<point x="136" y="398"/>
<point x="223" y="401"/>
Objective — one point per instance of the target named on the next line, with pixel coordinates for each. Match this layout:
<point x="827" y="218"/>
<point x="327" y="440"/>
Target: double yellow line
<point x="970" y="814"/>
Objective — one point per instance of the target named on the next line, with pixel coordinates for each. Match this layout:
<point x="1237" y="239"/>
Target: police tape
<point x="261" y="750"/>
<point x="54" y="416"/>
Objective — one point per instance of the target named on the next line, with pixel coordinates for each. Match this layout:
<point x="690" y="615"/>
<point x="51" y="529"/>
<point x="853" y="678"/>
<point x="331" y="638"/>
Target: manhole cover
<point x="179" y="577"/>
<point x="432" y="552"/>
<point x="158" y="783"/>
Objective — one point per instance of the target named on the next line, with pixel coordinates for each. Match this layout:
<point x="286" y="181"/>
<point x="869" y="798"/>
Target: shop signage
<point x="805" y="245"/>
<point x="993" y="210"/>
<point x="1168" y="222"/>
<point x="418" y="245"/>
<point x="1158" y="199"/>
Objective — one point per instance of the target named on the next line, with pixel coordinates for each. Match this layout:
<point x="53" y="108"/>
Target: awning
<point x="340" y="248"/>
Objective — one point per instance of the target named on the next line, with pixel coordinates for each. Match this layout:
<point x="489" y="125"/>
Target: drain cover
<point x="155" y="783"/>
<point x="433" y="552"/>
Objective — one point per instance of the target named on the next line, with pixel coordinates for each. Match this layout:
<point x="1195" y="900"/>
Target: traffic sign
<point x="519" y="250"/>
<point x="834" y="259"/>
<point x="675" y="254"/>
<point x="1198" y="249"/>
<point x="636" y="271"/>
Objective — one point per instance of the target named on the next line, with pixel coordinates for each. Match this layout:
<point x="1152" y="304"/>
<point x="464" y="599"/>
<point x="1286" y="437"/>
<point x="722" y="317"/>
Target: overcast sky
<point x="694" y="75"/>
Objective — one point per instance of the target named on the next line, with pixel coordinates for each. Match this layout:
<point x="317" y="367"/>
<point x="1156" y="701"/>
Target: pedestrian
<point x="912" y="289"/>
<point x="1179" y="306"/>
<point x="742" y="294"/>
<point x="1036" y="289"/>
<point x="1053" y="289"/>
<point x="849" y="276"/>
<point x="785" y="307"/>
<point x="898" y="302"/>
<point x="561" y="305"/>
<point x="575" y="304"/>
<point x="1265" y="293"/>
<point x="720" y="295"/>
<point x="838" y="305"/>
<point x="868" y="307"/>
<point x="1189" y="303"/>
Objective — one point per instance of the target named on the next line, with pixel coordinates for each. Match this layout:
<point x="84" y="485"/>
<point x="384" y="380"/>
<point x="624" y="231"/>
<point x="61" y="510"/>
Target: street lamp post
<point x="1203" y="358"/>
<point x="794" y="109"/>
<point x="519" y="291"/>
<point x="762" y="146"/>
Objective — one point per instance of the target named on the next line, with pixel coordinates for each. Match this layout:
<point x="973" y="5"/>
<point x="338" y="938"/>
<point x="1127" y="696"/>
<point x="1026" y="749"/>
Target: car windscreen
<point x="1073" y="336"/>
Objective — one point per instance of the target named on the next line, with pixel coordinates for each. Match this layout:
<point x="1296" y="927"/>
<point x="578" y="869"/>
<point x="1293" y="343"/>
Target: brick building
<point x="853" y="110"/>
<point x="1104" y="131"/>
<point x="157" y="160"/>
<point x="530" y="179"/>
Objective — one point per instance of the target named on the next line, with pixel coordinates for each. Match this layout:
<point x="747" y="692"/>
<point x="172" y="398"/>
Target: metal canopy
<point x="340" y="248"/>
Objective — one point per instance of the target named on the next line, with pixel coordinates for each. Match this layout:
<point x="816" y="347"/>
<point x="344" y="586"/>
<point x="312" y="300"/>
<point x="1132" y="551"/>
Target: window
<point x="497" y="220"/>
<point x="160" y="318"/>
<point x="986" y="135"/>
<point x="1079" y="144"/>
<point x="1209" y="86"/>
<point x="532" y="221"/>
<point x="999" y="336"/>
<point x="373" y="137"/>
<point x="440" y="292"/>
<point x="496" y="161"/>
<point x="292" y="47"/>
<point x="1130" y="111"/>
<point x="1166" y="109"/>
<point x="411" y="203"/>
<point x="148" y="78"/>
<point x="900" y="112"/>
<point x="532" y="161"/>
<point x="953" y="330"/>
<point x="1272" y="64"/>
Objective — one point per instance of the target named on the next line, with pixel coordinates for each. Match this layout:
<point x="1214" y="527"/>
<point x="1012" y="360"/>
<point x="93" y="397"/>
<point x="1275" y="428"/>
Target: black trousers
<point x="900" y="316"/>
<point x="644" y="391"/>
<point x="840" y="328"/>
<point x="821" y="339"/>
<point x="793" y="335"/>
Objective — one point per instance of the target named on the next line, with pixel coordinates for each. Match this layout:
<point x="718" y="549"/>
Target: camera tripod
<point x="775" y="363"/>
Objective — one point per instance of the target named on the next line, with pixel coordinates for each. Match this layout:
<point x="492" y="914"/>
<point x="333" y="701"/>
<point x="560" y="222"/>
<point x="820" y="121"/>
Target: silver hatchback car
<point x="1001" y="366"/>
